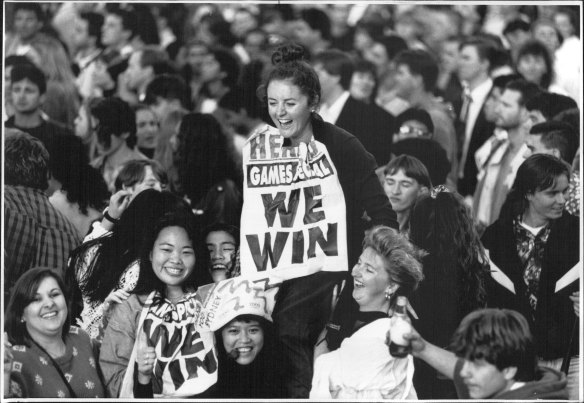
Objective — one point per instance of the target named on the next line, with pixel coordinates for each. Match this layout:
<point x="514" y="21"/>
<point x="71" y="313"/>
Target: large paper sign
<point x="224" y="301"/>
<point x="293" y="221"/>
<point x="185" y="359"/>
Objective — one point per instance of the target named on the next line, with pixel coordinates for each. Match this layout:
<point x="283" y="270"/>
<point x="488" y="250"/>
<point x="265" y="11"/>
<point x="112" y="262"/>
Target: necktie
<point x="466" y="101"/>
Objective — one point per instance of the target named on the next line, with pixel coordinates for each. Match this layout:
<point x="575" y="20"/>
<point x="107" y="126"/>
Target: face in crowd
<point x="243" y="340"/>
<point x="222" y="250"/>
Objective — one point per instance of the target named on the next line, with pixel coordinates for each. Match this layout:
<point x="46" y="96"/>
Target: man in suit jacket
<point x="475" y="61"/>
<point x="372" y="125"/>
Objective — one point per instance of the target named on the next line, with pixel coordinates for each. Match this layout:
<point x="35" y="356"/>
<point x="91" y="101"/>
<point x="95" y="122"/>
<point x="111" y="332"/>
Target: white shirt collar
<point x="480" y="92"/>
<point x="331" y="113"/>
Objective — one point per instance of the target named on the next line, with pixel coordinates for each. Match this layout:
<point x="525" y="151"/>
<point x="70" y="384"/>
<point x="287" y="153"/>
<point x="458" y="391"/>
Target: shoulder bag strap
<point x="58" y="368"/>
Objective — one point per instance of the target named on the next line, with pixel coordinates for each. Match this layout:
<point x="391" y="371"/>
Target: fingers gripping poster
<point x="293" y="221"/>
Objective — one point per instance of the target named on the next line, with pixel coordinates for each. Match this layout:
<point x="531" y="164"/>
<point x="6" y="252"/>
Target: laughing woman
<point x="350" y="191"/>
<point x="362" y="367"/>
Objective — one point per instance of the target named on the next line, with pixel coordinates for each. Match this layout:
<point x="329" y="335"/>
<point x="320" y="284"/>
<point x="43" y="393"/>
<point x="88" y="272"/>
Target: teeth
<point x="173" y="271"/>
<point x="219" y="267"/>
<point x="285" y="122"/>
<point x="358" y="284"/>
<point x="49" y="315"/>
<point x="244" y="349"/>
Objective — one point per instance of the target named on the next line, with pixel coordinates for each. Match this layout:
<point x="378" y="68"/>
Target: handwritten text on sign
<point x="294" y="208"/>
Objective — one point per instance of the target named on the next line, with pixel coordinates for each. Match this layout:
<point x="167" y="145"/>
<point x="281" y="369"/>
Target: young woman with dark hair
<point x="292" y="93"/>
<point x="103" y="271"/>
<point x="48" y="357"/>
<point x="455" y="271"/>
<point x="152" y="346"/>
<point x="534" y="243"/>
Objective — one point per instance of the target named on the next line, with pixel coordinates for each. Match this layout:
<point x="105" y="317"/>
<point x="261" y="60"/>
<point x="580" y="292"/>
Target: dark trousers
<point x="302" y="309"/>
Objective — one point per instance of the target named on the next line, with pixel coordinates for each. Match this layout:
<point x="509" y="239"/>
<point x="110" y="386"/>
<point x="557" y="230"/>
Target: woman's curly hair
<point x="443" y="226"/>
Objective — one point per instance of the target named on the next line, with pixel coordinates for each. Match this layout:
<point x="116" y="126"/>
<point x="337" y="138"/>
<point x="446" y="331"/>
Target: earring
<point x="21" y="320"/>
<point x="388" y="294"/>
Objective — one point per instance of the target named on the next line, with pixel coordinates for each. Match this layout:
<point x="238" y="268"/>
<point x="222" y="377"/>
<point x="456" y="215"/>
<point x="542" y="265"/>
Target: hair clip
<point x="438" y="189"/>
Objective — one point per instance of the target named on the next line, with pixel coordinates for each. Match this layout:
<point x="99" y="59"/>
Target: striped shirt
<point x="35" y="234"/>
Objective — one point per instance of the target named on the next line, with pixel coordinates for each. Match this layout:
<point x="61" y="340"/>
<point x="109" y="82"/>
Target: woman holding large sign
<point x="307" y="187"/>
<point x="152" y="346"/>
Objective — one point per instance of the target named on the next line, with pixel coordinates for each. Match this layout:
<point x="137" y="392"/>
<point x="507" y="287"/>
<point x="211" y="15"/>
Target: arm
<point x="118" y="343"/>
<point x="441" y="360"/>
<point x="321" y="346"/>
<point x="119" y="202"/>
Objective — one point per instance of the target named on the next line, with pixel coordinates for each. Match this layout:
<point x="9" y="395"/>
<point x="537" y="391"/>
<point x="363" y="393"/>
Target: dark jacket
<point x="554" y="315"/>
<point x="361" y="187"/>
<point x="371" y="124"/>
<point x="481" y="132"/>
<point x="548" y="384"/>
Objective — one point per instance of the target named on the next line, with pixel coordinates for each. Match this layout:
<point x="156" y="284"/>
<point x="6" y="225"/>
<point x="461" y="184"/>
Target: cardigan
<point x="32" y="374"/>
<point x="361" y="188"/>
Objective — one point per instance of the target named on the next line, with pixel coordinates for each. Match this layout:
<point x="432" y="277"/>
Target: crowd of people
<point x="355" y="163"/>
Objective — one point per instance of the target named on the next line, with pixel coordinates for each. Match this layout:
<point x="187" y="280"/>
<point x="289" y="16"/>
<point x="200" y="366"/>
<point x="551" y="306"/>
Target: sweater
<point x="361" y="187"/>
<point x="34" y="376"/>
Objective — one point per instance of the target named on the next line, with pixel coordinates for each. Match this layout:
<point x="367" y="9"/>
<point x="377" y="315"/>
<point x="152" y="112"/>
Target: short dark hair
<point x="420" y="63"/>
<point x="94" y="24"/>
<point x="502" y="80"/>
<point x="133" y="172"/>
<point x="169" y="87"/>
<point x="550" y="104"/>
<point x="527" y="89"/>
<point x="115" y="117"/>
<point x="393" y="45"/>
<point x="486" y="49"/>
<point x="336" y="63"/>
<point x="152" y="55"/>
<point x="430" y="152"/>
<point x="228" y="64"/>
<point x="536" y="48"/>
<point x="15" y="60"/>
<point x="30" y="6"/>
<point x="222" y="227"/>
<point x="500" y="337"/>
<point x="516" y="25"/>
<point x="26" y="160"/>
<point x="412" y="168"/>
<point x="558" y="135"/>
<point x="129" y="20"/>
<point x="317" y="20"/>
<point x="30" y="72"/>
<point x="404" y="266"/>
<point x="23" y="293"/>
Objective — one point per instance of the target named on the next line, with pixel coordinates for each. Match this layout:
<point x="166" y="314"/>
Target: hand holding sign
<point x="145" y="358"/>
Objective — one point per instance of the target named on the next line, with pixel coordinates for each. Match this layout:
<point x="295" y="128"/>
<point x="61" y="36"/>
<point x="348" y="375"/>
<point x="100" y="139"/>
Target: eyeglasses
<point x="414" y="131"/>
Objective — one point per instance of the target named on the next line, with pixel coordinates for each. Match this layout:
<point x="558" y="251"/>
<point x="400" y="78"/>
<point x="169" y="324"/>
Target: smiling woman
<point x="152" y="346"/>
<point x="330" y="161"/>
<point x="535" y="242"/>
<point x="362" y="367"/>
<point x="49" y="358"/>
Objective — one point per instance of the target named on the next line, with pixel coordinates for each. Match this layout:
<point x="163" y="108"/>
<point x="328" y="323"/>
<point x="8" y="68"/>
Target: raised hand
<point x="145" y="358"/>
